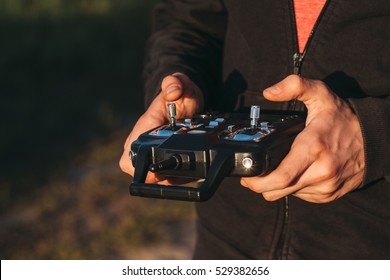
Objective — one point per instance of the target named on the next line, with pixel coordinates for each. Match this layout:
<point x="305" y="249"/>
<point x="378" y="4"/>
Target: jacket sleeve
<point x="374" y="117"/>
<point x="187" y="37"/>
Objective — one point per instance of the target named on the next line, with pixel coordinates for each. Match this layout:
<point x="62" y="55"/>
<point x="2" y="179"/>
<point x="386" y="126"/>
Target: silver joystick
<point x="172" y="114"/>
<point x="254" y="116"/>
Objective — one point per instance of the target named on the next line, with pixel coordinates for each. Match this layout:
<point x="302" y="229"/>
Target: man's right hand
<point x="176" y="88"/>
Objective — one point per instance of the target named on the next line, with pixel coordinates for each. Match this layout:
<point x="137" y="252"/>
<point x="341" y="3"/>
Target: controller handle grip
<point x="219" y="169"/>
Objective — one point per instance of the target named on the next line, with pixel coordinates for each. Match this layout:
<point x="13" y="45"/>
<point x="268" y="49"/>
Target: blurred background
<point x="71" y="89"/>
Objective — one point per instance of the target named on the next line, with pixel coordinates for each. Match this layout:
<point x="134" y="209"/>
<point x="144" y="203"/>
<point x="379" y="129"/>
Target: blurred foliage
<point x="62" y="8"/>
<point x="71" y="89"/>
<point x="65" y="80"/>
<point x="86" y="213"/>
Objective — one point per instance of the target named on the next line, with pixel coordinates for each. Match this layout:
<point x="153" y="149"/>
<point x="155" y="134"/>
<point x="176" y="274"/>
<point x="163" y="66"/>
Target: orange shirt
<point x="306" y="14"/>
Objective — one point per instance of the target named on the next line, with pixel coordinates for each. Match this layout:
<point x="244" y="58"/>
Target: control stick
<point x="172" y="114"/>
<point x="254" y="116"/>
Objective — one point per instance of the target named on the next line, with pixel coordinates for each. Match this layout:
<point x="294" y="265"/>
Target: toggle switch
<point x="254" y="116"/>
<point x="172" y="114"/>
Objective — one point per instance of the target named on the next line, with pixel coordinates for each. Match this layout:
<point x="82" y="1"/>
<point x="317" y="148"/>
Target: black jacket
<point x="235" y="49"/>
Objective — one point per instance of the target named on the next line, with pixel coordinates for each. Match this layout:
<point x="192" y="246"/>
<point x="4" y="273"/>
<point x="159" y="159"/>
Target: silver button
<point x="247" y="162"/>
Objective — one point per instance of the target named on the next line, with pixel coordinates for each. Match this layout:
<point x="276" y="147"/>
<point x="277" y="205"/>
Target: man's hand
<point x="326" y="159"/>
<point x="176" y="88"/>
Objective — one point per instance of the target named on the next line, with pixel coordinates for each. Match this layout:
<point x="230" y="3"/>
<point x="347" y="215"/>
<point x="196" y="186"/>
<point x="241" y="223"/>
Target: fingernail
<point x="276" y="89"/>
<point x="172" y="88"/>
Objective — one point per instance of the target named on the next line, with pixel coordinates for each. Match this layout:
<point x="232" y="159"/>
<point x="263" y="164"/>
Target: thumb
<point x="296" y="87"/>
<point x="172" y="88"/>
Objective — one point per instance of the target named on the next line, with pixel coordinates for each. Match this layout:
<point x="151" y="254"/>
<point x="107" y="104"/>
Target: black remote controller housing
<point x="211" y="147"/>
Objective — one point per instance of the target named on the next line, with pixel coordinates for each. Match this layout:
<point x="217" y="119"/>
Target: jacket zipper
<point x="298" y="59"/>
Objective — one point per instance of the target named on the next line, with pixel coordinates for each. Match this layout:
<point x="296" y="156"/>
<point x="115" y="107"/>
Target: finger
<point x="319" y="183"/>
<point x="125" y="164"/>
<point x="172" y="88"/>
<point x="310" y="197"/>
<point x="328" y="183"/>
<point x="143" y="122"/>
<point x="312" y="193"/>
<point x="296" y="87"/>
<point x="289" y="171"/>
<point x="320" y="193"/>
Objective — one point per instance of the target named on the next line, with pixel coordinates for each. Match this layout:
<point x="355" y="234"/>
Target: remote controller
<point x="210" y="147"/>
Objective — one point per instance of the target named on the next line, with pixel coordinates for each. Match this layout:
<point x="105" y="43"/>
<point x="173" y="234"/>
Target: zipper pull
<point x="297" y="58"/>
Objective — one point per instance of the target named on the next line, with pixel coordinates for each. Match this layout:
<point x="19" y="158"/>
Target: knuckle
<point x="326" y="192"/>
<point x="125" y="165"/>
<point x="296" y="82"/>
<point x="122" y="165"/>
<point x="328" y="170"/>
<point x="317" y="147"/>
<point x="319" y="84"/>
